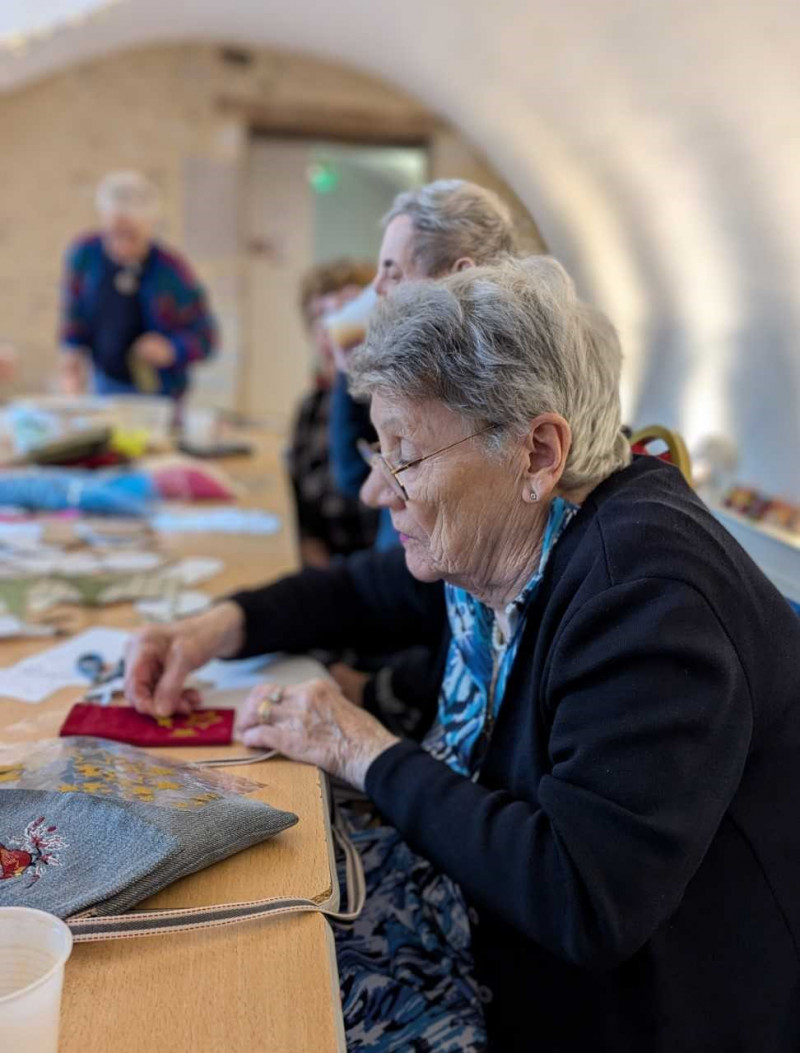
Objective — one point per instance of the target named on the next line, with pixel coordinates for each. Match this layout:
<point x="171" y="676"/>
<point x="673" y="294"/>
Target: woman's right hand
<point x="159" y="659"/>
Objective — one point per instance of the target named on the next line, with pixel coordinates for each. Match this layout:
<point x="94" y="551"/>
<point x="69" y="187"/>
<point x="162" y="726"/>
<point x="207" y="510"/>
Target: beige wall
<point x="159" y="110"/>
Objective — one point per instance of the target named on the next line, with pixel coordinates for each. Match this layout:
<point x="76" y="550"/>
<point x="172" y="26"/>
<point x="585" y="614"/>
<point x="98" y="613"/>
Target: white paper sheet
<point x="233" y="676"/>
<point x="196" y="569"/>
<point x="20" y="533"/>
<point x="231" y="687"/>
<point x="167" y="610"/>
<point x="37" y="677"/>
<point x="217" y="521"/>
<point x="11" y="627"/>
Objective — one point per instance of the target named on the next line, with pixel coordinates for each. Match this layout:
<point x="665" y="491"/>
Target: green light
<point x="323" y="177"/>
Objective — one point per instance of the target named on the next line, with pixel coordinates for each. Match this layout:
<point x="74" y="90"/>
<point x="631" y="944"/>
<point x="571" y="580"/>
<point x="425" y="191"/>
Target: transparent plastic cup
<point x="34" y="947"/>
<point x="347" y="327"/>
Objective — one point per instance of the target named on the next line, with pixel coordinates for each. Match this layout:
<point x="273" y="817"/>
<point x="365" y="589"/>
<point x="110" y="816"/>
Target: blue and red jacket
<point x="173" y="304"/>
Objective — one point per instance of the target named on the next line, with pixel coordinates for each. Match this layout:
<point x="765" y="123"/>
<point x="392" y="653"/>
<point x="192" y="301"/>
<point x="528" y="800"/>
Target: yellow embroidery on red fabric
<point x="201" y="720"/>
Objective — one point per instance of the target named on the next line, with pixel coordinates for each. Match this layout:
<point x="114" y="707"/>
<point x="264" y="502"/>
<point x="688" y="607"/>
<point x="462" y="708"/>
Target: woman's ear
<point x="546" y="447"/>
<point x="463" y="264"/>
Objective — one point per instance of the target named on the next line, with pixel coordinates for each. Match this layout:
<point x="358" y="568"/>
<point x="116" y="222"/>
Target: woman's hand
<point x="155" y="350"/>
<point x="314" y="722"/>
<point x="73" y="373"/>
<point x="159" y="659"/>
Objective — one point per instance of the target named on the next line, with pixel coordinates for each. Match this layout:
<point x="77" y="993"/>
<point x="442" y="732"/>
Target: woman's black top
<point x="631" y="849"/>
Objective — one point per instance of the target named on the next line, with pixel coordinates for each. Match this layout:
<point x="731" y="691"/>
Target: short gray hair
<point x="501" y="345"/>
<point x="129" y="193"/>
<point x="453" y="219"/>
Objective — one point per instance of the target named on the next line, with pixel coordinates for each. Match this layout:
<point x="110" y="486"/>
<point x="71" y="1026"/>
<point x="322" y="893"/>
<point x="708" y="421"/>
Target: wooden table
<point x="265" y="985"/>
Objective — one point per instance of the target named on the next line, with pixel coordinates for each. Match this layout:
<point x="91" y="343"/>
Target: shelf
<point x="776" y="551"/>
<point x="786" y="537"/>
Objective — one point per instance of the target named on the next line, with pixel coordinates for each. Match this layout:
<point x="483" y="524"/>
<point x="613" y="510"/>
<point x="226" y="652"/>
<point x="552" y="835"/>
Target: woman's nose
<point x="376" y="493"/>
<point x="380" y="284"/>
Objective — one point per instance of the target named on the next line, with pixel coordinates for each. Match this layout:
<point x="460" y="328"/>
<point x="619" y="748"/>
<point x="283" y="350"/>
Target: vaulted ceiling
<point x="657" y="143"/>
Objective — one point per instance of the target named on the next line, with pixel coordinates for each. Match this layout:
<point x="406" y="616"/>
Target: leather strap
<point x="91" y="929"/>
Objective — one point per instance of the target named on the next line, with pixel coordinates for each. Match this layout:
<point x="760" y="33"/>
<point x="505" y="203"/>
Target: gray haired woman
<point x="596" y="844"/>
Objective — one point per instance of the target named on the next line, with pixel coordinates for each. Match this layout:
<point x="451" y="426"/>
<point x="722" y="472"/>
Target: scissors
<point x="101" y="677"/>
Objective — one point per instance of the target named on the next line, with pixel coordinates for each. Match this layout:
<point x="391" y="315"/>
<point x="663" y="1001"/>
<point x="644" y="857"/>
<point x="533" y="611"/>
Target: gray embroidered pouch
<point x="89" y="826"/>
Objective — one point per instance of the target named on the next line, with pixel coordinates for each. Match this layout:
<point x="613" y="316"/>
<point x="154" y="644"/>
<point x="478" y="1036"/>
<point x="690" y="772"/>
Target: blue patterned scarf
<point x="479" y="658"/>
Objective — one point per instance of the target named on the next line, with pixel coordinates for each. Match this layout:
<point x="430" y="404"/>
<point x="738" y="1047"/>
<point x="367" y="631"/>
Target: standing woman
<point x="134" y="317"/>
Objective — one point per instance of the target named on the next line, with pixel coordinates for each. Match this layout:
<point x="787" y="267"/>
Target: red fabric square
<point x="203" y="727"/>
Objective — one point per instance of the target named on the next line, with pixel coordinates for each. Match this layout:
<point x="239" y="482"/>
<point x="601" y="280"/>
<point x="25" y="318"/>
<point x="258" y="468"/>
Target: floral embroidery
<point x="29" y="856"/>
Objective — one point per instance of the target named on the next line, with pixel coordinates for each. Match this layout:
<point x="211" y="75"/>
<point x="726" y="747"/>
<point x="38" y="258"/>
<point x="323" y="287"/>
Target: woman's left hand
<point x="314" y="722"/>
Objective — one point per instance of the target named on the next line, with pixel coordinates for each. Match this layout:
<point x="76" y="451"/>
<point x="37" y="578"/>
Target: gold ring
<point x="265" y="706"/>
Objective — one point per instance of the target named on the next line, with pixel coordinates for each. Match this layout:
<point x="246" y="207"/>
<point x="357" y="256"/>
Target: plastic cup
<point x="347" y="327"/>
<point x="200" y="426"/>
<point x="34" y="947"/>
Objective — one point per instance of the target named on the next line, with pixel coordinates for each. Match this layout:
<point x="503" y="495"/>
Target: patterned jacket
<point x="173" y="303"/>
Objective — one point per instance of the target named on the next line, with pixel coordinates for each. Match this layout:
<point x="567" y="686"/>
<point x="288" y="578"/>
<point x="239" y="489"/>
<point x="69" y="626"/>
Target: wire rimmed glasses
<point x="371" y="452"/>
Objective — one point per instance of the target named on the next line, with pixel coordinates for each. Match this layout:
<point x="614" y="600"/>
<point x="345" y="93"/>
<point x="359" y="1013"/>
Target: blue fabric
<point x="85" y="821"/>
<point x="387" y="535"/>
<point x="172" y="302"/>
<point x="405" y="966"/>
<point x="74" y="850"/>
<point x="51" y="490"/>
<point x="349" y="422"/>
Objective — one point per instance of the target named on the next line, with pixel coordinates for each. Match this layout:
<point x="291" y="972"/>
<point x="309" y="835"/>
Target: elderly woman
<point x="438" y="229"/>
<point x="610" y="787"/>
<point x="133" y="314"/>
<point x="435" y="230"/>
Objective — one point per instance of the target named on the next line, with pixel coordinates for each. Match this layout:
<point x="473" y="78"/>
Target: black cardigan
<point x="631" y="850"/>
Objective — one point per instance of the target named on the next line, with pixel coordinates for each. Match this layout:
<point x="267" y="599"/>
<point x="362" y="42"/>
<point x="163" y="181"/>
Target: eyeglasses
<point x="374" y="458"/>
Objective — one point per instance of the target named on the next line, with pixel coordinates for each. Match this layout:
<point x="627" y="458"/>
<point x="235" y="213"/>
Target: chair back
<point x="675" y="453"/>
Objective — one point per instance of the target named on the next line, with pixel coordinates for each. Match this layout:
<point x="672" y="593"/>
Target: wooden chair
<point x="675" y="453"/>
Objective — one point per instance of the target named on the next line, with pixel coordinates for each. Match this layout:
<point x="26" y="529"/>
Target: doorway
<point x="307" y="202"/>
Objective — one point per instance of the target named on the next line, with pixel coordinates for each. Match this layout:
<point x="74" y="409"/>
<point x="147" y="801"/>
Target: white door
<point x="280" y="243"/>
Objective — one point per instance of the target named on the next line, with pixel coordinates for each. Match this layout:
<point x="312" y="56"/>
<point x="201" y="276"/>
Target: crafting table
<point x="262" y="985"/>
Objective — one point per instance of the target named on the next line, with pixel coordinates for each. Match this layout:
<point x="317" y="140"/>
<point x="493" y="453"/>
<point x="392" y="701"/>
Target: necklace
<point x="126" y="280"/>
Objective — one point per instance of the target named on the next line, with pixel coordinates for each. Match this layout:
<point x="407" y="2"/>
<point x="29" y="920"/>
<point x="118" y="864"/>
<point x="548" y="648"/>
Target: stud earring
<point x="534" y="495"/>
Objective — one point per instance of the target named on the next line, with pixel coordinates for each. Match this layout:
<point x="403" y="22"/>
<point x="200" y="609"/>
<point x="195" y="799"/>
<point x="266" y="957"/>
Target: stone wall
<point x="160" y="110"/>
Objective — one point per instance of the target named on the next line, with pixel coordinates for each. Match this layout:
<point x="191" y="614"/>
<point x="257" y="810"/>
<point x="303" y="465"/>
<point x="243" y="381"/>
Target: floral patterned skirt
<point x="405" y="965"/>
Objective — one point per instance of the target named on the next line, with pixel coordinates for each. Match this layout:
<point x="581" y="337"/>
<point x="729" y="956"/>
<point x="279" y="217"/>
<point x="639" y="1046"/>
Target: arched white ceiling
<point x="657" y="143"/>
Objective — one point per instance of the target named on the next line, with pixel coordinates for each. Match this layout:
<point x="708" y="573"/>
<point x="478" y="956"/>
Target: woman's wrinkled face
<point x="458" y="501"/>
